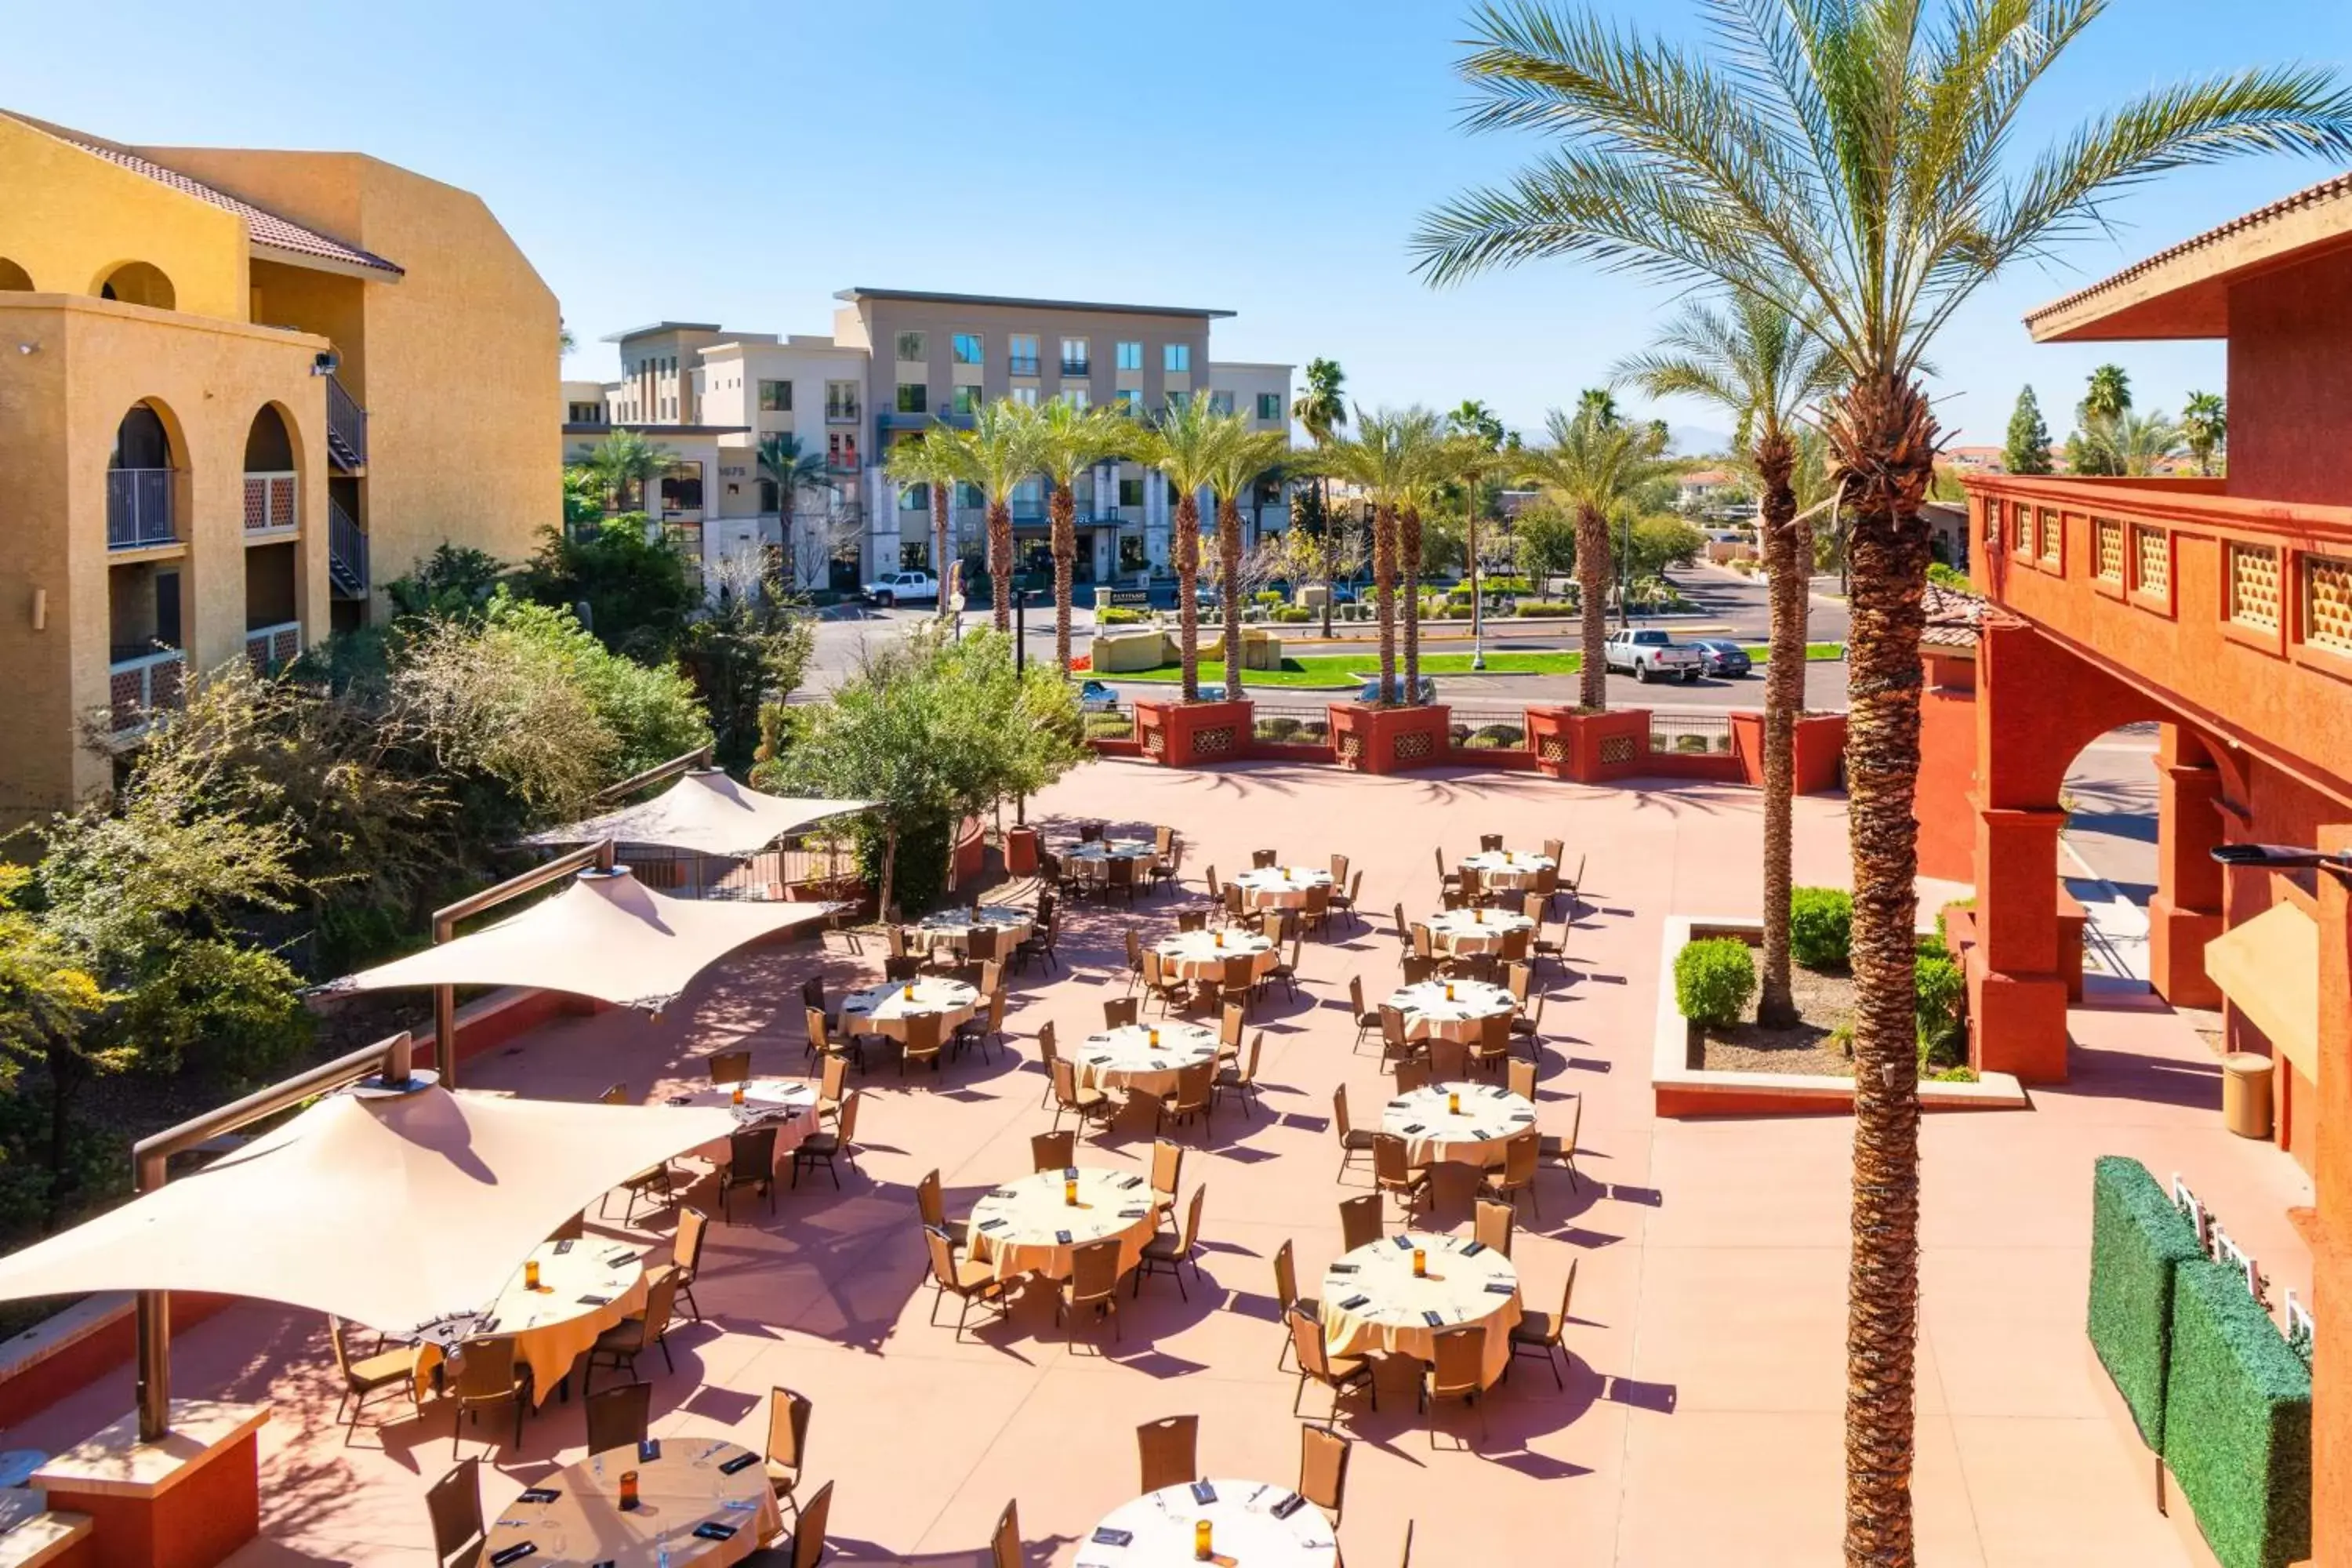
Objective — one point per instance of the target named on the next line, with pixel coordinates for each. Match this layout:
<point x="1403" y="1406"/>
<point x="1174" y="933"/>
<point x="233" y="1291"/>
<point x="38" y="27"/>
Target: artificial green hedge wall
<point x="2138" y="1238"/>
<point x="2237" y="1426"/>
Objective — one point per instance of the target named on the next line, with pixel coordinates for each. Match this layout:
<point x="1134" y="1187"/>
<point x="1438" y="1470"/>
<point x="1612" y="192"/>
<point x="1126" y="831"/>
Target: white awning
<point x="705" y="812"/>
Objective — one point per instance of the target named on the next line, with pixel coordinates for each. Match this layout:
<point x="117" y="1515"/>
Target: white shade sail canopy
<point x="704" y="813"/>
<point x="607" y="936"/>
<point x="390" y="1209"/>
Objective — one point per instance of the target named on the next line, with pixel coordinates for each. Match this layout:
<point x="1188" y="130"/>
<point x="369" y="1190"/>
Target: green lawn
<point x="1345" y="671"/>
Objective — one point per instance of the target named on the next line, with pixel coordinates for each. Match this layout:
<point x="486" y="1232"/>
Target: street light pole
<point x="1477" y="609"/>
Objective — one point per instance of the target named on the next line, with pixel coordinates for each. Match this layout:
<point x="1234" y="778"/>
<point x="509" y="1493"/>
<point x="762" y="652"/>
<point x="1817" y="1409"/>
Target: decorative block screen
<point x="1414" y="745"/>
<point x="2255" y="586"/>
<point x="2152" y="560"/>
<point x="2053" y="536"/>
<point x="1213" y="742"/>
<point x="2020" y="518"/>
<point x="1616" y="749"/>
<point x="2111" y="548"/>
<point x="2328" y="603"/>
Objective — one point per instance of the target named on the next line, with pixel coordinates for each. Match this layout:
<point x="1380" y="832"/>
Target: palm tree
<point x="1072" y="440"/>
<point x="1320" y="411"/>
<point x="1244" y="457"/>
<point x="625" y="461"/>
<point x="1472" y="417"/>
<point x="1421" y="442"/>
<point x="1856" y="165"/>
<point x="1377" y="462"/>
<point x="1186" y="443"/>
<point x="1471" y="461"/>
<point x="1003" y="450"/>
<point x="2145" y="440"/>
<point x="2109" y="392"/>
<point x="2205" y="426"/>
<point x="927" y="460"/>
<point x="1591" y="462"/>
<point x="793" y="469"/>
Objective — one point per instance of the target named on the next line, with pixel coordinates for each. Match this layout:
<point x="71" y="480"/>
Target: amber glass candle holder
<point x="531" y="1274"/>
<point x="629" y="1491"/>
<point x="1420" y="1263"/>
<point x="1204" y="1543"/>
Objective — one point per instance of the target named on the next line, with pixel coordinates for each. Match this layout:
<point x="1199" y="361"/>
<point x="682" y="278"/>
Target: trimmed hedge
<point x="1820" y="927"/>
<point x="2137" y="1239"/>
<point x="1546" y="608"/>
<point x="1715" y="979"/>
<point x="2237" y="1426"/>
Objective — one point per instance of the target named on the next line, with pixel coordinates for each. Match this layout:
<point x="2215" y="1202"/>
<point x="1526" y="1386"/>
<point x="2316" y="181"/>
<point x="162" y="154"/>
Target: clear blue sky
<point x="738" y="163"/>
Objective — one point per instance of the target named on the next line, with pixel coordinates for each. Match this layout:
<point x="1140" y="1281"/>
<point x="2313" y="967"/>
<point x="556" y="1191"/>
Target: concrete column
<point x="2185" y="912"/>
<point x="2017" y="996"/>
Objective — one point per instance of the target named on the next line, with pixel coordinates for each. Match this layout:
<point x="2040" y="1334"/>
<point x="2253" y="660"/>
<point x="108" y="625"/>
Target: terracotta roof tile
<point x="1952" y="617"/>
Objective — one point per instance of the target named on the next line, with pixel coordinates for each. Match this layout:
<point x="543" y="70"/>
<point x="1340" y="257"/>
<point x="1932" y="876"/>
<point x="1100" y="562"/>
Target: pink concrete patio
<point x="1701" y="1420"/>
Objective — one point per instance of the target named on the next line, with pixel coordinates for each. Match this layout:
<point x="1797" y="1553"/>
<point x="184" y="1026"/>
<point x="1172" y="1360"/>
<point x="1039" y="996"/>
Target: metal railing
<point x="1496" y="730"/>
<point x="1693" y="732"/>
<point x="842" y="414"/>
<point x="271" y="648"/>
<point x="138" y="508"/>
<point x="347" y="551"/>
<point x="138" y="686"/>
<point x="269" y="501"/>
<point x="1077" y="367"/>
<point x="346" y="425"/>
<point x="1021" y="365"/>
<point x="1288" y="726"/>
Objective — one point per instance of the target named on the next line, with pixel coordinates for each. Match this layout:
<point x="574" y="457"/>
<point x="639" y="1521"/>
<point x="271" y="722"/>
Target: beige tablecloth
<point x="1126" y="1058"/>
<point x="1202" y="955"/>
<point x="1034" y="1217"/>
<point x="1489" y="1118"/>
<point x="885" y="1009"/>
<point x="552" y="1325"/>
<point x="1372" y="1302"/>
<point x="1513" y="870"/>
<point x="1466" y="934"/>
<point x="682" y="1488"/>
<point x="1429" y="1011"/>
<point x="1242" y="1525"/>
<point x="952" y="929"/>
<point x="789" y="1104"/>
<point x="1280" y="886"/>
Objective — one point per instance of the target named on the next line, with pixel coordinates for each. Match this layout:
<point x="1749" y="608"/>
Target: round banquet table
<point x="789" y="1104"/>
<point x="1019" y="1227"/>
<point x="1242" y="1524"/>
<point x="1280" y="886"/>
<point x="586" y="1286"/>
<point x="1466" y="934"/>
<point x="1202" y="955"/>
<point x="1111" y="850"/>
<point x="1490" y="1117"/>
<point x="1430" y="1011"/>
<point x="683" y="1487"/>
<point x="1372" y="1302"/>
<point x="953" y="929"/>
<point x="1512" y="870"/>
<point x="1126" y="1057"/>
<point x="885" y="1009"/>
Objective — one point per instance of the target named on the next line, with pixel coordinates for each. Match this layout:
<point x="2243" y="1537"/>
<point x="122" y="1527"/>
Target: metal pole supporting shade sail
<point x="704" y="813"/>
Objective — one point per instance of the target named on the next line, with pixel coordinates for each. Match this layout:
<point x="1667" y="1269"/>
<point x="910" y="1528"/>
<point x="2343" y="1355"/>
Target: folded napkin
<point x="1352" y="1302"/>
<point x="1500" y="1288"/>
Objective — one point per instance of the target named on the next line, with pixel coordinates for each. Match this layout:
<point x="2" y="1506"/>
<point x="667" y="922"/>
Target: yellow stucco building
<point x="239" y="392"/>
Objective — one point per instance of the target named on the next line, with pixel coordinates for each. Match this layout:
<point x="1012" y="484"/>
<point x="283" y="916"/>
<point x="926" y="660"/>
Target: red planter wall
<point x="1589" y="748"/>
<point x="1177" y="734"/>
<point x="1821" y="747"/>
<point x="1372" y="740"/>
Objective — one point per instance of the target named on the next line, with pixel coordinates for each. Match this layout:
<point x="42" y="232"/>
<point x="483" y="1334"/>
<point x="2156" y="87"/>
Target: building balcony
<point x="841" y="413"/>
<point x="1021" y="366"/>
<point x="138" y="508"/>
<point x="271" y="648"/>
<point x="142" y="682"/>
<point x="1077" y="367"/>
<point x="269" y="502"/>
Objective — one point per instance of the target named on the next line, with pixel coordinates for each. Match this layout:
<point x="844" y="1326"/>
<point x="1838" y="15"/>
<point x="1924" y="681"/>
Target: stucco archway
<point x="137" y="283"/>
<point x="14" y="279"/>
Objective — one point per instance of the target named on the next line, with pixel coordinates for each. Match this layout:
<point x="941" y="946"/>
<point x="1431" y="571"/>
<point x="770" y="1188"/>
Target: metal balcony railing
<point x="841" y="413"/>
<point x="138" y="508"/>
<point x="271" y="648"/>
<point x="1020" y="364"/>
<point x="269" y="502"/>
<point x="1077" y="367"/>
<point x="138" y="686"/>
<point x="347" y="424"/>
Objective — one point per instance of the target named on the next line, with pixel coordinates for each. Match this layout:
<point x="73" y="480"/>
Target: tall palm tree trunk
<point x="1000" y="562"/>
<point x="1784" y="698"/>
<point x="1591" y="591"/>
<point x="1330" y="555"/>
<point x="1229" y="588"/>
<point x="1384" y="577"/>
<point x="1188" y="579"/>
<point x="1883" y="437"/>
<point x="1065" y="554"/>
<point x="940" y="562"/>
<point x="791" y="546"/>
<point x="1408" y="546"/>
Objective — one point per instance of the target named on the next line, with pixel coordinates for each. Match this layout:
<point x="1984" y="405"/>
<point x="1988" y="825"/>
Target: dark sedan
<point x="1721" y="656"/>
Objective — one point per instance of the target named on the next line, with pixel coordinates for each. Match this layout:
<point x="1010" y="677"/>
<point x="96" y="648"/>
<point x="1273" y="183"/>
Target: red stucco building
<point x="2221" y="609"/>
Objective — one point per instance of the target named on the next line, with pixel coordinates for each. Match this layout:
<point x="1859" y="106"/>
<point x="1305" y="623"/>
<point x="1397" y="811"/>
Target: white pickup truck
<point x="902" y="587"/>
<point x="1652" y="655"/>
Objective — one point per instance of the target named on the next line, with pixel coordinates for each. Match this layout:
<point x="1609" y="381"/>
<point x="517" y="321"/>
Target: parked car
<point x="1371" y="689"/>
<point x="1721" y="656"/>
<point x="1650" y="655"/>
<point x="1094" y="697"/>
<point x="901" y="587"/>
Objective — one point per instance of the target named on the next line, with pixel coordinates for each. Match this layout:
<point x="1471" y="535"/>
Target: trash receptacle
<point x="2246" y="1094"/>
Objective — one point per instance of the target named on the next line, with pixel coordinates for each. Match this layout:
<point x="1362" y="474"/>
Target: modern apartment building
<point x="899" y="362"/>
<point x="241" y="391"/>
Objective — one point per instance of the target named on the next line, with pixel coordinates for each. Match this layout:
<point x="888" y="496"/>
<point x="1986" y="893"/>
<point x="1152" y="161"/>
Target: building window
<point x="1221" y="403"/>
<point x="1269" y="406"/>
<point x="1177" y="400"/>
<point x="2328" y="603"/>
<point x="914" y="398"/>
<point x="840" y="401"/>
<point x="841" y="449"/>
<point x="682" y="487"/>
<point x="1025" y="396"/>
<point x="2254" y="587"/>
<point x="1177" y="358"/>
<point x="1130" y="492"/>
<point x="1029" y="500"/>
<point x="914" y="498"/>
<point x="1074" y="357"/>
<point x="1130" y="357"/>
<point x="914" y="348"/>
<point x="968" y="349"/>
<point x="915" y="556"/>
<point x="1126" y="401"/>
<point x="968" y="400"/>
<point x="775" y="397"/>
<point x="1269" y="492"/>
<point x="1131" y="557"/>
<point x="1077" y="397"/>
<point x="968" y="497"/>
<point x="1021" y="353"/>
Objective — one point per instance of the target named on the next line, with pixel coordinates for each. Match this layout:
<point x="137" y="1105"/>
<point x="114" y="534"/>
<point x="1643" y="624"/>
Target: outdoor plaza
<point x="1259" y="1093"/>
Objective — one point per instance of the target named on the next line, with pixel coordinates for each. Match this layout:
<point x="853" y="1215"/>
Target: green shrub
<point x="1715" y="979"/>
<point x="1277" y="729"/>
<point x="1820" y="927"/>
<point x="1690" y="742"/>
<point x="2137" y="1240"/>
<point x="1120" y="616"/>
<point x="1546" y="608"/>
<point x="1294" y="613"/>
<point x="1939" y="1002"/>
<point x="1269" y="597"/>
<point x="1109" y="727"/>
<point x="1947" y="576"/>
<point x="2237" y="1421"/>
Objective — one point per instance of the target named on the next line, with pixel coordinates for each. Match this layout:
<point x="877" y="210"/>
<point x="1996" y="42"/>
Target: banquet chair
<point x="729" y="1067"/>
<point x="921" y="1043"/>
<point x="1314" y="915"/>
<point x="825" y="1148"/>
<point x="1118" y="879"/>
<point x="1394" y="1172"/>
<point x="1473" y="885"/>
<point x="454" y="1503"/>
<point x="1323" y="1468"/>
<point x="1529" y="1025"/>
<point x="390" y="1372"/>
<point x="1338" y="868"/>
<point x="991" y="977"/>
<point x="1517" y="1175"/>
<point x="1166" y="1452"/>
<point x="1515" y="946"/>
<point x="1166" y="1170"/>
<point x="1348" y="903"/>
<point x="1238" y="909"/>
<point x="487" y="1378"/>
<point x="1547" y="886"/>
<point x="1494" y="1224"/>
<point x="1521" y="1079"/>
<point x="1134" y="961"/>
<point x="1241" y="1076"/>
<point x="1414" y="1074"/>
<point x="1287" y="1298"/>
<point x="983" y="1026"/>
<point x="653" y="1179"/>
<point x="930" y="1203"/>
<point x="1520" y="980"/>
<point x="1490" y="843"/>
<point x="1118" y="1012"/>
<point x="966" y="1279"/>
<point x="1086" y="1104"/>
<point x="1454" y="1372"/>
<point x="1449" y="1060"/>
<point x="1192" y="919"/>
<point x="1238" y="980"/>
<point x="1210" y="886"/>
<point x="983" y="946"/>
<point x="1417" y="969"/>
<point x="685" y="1254"/>
<point x="1162" y="984"/>
<point x="901" y="968"/>
<point x="1541" y="1332"/>
<point x="1564" y="1149"/>
<point x="750" y="1162"/>
<point x="1353" y="1140"/>
<point x="1053" y="1151"/>
<point x="787" y="1451"/>
<point x="1195" y="1095"/>
<point x="1287" y="970"/>
<point x="625" y="1341"/>
<point x="830" y="1085"/>
<point x="1422" y="945"/>
<point x="1361" y="1222"/>
<point x="1573" y="885"/>
<point x="1539" y="946"/>
<point x="1093" y="1282"/>
<point x="1445" y="879"/>
<point x="1554" y="851"/>
<point x="1494" y="1047"/>
<point x="1264" y="859"/>
<point x="1039" y="942"/>
<point x="1317" y="1363"/>
<point x="1175" y="1253"/>
<point x="812" y="995"/>
<point x="1004" y="1547"/>
<point x="1367" y="1019"/>
<point x="808" y="1529"/>
<point x="617" y="1417"/>
<point x="1090" y="832"/>
<point x="1452" y="900"/>
<point x="1049" y="1050"/>
<point x="1396" y="1045"/>
<point x="1229" y="1033"/>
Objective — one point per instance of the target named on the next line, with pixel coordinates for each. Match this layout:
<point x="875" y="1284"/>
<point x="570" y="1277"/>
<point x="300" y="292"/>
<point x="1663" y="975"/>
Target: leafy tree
<point x="1473" y="419"/>
<point x="1543" y="541"/>
<point x="1244" y="458"/>
<point x="1591" y="462"/>
<point x="2205" y="426"/>
<point x="2028" y="449"/>
<point x="1074" y="439"/>
<point x="2091" y="448"/>
<point x="638" y="591"/>
<point x="792" y="468"/>
<point x="455" y="580"/>
<point x="1858" y="165"/>
<point x="2142" y="442"/>
<point x="583" y="495"/>
<point x="2109" y="392"/>
<point x="1187" y="444"/>
<point x="1321" y="410"/>
<point x="745" y="653"/>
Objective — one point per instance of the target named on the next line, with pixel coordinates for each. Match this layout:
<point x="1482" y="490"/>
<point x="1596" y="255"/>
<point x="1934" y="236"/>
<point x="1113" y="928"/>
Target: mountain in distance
<point x="1692" y="441"/>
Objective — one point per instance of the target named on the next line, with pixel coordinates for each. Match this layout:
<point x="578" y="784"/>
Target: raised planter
<point x="1375" y="739"/>
<point x="1179" y="734"/>
<point x="1820" y="750"/>
<point x="1589" y="748"/>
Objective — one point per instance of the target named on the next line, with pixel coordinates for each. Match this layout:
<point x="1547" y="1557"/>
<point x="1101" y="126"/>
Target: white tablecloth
<point x="1489" y="1118"/>
<point x="1430" y="1011"/>
<point x="1372" y="1302"/>
<point x="552" y="1325"/>
<point x="682" y="1488"/>
<point x="1018" y="1229"/>
<point x="953" y="929"/>
<point x="1466" y="934"/>
<point x="1202" y="955"/>
<point x="1126" y="1058"/>
<point x="787" y="1103"/>
<point x="1116" y="848"/>
<point x="1242" y="1526"/>
<point x="885" y="1009"/>
<point x="1280" y="886"/>
<point x="1514" y="870"/>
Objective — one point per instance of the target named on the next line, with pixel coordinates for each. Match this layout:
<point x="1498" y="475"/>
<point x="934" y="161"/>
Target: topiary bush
<point x="1939" y="1003"/>
<point x="1715" y="979"/>
<point x="1294" y="613"/>
<point x="2137" y="1240"/>
<point x="2237" y="1421"/>
<point x="1546" y="608"/>
<point x="1820" y="927"/>
<point x="1120" y="616"/>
